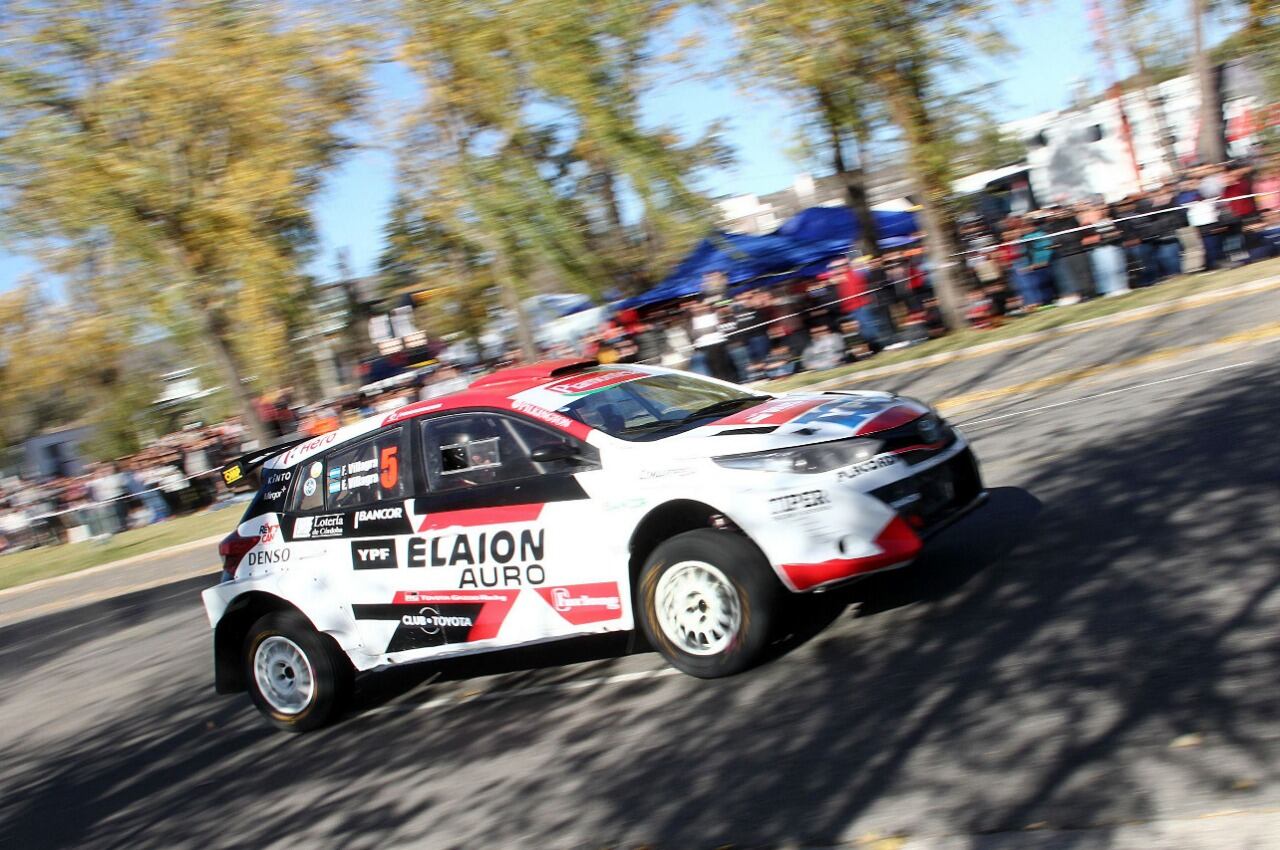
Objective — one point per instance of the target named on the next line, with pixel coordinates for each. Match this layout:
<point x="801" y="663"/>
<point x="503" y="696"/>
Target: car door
<point x="351" y="509"/>
<point x="507" y="548"/>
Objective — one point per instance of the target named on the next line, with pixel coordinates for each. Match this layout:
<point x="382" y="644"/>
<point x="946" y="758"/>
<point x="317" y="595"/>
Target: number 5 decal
<point x="389" y="466"/>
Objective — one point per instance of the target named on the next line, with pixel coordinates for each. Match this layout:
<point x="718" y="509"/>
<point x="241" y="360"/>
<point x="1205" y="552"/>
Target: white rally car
<point x="563" y="499"/>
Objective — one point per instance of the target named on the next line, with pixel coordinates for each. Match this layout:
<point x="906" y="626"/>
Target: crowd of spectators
<point x="1207" y="218"/>
<point x="178" y="474"/>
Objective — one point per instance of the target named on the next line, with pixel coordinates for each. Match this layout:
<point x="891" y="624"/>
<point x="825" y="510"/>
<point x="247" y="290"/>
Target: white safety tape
<point x="1094" y="226"/>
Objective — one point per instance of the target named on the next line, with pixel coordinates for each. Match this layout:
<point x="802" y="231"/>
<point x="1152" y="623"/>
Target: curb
<point x="1247" y="829"/>
<point x="176" y="549"/>
<point x="22" y="615"/>
<point x="1122" y="317"/>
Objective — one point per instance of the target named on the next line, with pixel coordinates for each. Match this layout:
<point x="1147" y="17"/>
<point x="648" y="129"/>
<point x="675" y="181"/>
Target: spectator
<point x="679" y="347"/>
<point x="1189" y="235"/>
<point x="1039" y="257"/>
<point x="825" y="349"/>
<point x="780" y="363"/>
<point x="750" y="320"/>
<point x="710" y="356"/>
<point x="855" y="344"/>
<point x="1163" y="234"/>
<point x="979" y="311"/>
<point x="105" y="489"/>
<point x="851" y="286"/>
<point x="1106" y="256"/>
<point x="1071" y="272"/>
<point x="1208" y="215"/>
<point x="1241" y="208"/>
<point x="1268" y="188"/>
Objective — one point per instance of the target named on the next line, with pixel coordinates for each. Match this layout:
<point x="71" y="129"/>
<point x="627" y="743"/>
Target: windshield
<point x="657" y="405"/>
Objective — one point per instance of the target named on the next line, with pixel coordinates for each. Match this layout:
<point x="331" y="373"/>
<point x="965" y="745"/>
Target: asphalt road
<point x="1097" y="647"/>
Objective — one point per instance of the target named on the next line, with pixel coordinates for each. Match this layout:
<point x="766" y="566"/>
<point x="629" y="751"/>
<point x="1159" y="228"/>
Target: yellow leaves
<point x="196" y="154"/>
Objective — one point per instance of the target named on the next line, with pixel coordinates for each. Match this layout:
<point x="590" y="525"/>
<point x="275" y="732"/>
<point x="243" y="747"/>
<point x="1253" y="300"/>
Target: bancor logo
<point x="584" y="603"/>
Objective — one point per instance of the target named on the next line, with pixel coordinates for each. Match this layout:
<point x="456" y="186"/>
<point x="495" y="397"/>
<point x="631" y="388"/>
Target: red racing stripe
<point x="481" y="516"/>
<point x="899" y="414"/>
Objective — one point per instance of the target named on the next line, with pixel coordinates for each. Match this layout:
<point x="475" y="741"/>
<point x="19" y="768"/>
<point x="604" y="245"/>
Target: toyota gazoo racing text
<point x="563" y="499"/>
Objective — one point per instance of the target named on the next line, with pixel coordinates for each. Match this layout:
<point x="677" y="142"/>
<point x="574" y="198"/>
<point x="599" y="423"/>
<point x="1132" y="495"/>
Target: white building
<point x="1071" y="153"/>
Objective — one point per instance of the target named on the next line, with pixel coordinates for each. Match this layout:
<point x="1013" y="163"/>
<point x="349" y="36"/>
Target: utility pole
<point x="1102" y="41"/>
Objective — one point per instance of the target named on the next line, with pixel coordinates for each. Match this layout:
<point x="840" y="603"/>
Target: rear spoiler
<point x="236" y="474"/>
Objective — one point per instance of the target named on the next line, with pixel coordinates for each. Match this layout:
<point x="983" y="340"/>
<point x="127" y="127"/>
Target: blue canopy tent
<point x="801" y="247"/>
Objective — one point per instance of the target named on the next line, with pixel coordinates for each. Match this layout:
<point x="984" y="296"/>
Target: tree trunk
<point x="511" y="300"/>
<point x="219" y="341"/>
<point x="1209" y="146"/>
<point x="906" y="104"/>
<point x="855" y="187"/>
<point x="615" y="242"/>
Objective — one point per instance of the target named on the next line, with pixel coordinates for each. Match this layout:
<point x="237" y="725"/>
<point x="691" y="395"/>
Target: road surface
<point x="1097" y="648"/>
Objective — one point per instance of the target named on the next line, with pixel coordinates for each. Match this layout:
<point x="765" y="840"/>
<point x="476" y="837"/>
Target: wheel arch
<point x="229" y="635"/>
<point x="669" y="519"/>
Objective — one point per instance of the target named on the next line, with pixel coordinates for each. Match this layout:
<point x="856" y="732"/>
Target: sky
<point x="1054" y="46"/>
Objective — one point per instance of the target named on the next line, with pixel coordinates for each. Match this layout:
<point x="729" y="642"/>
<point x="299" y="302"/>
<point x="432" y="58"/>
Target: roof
<point x="517" y="378"/>
<point x="497" y="390"/>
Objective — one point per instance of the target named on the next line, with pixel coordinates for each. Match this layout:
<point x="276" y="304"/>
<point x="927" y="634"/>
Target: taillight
<point x="233" y="548"/>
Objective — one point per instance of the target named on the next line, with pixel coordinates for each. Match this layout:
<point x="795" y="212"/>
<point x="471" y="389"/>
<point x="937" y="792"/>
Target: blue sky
<point x="1054" y="50"/>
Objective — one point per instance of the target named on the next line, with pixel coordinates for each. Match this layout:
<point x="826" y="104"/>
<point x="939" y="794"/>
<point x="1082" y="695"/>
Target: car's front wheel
<point x="296" y="677"/>
<point x="707" y="602"/>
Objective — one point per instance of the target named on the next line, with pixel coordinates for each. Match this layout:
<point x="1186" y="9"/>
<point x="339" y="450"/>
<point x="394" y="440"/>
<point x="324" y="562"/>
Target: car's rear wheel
<point x="297" y="678"/>
<point x="707" y="602"/>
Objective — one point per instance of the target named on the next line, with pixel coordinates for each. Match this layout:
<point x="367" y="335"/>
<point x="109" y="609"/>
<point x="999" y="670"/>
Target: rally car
<point x="562" y="499"/>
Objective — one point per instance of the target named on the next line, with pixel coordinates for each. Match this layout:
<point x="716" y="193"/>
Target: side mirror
<point x="553" y="452"/>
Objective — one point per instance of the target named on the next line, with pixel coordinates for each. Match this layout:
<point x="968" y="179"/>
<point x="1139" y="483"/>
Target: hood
<point x="796" y="419"/>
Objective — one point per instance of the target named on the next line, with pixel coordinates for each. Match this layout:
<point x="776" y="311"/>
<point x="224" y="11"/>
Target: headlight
<point x="806" y="460"/>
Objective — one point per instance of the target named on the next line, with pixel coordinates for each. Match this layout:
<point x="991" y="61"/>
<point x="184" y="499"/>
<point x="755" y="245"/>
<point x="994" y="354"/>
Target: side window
<point x="372" y="470"/>
<point x="474" y="449"/>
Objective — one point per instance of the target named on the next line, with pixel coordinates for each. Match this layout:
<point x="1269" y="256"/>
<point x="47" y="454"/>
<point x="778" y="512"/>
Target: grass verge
<point x="48" y="561"/>
<point x="1043" y="320"/>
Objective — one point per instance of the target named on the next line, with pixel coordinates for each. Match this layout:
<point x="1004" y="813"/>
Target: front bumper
<point x="924" y="504"/>
<point x="936" y="497"/>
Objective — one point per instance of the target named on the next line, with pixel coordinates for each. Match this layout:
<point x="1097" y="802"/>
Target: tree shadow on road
<point x="975" y="693"/>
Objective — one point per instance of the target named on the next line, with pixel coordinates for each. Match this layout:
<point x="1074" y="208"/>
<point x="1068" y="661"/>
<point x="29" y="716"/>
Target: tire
<point x="708" y="600"/>
<point x="313" y="677"/>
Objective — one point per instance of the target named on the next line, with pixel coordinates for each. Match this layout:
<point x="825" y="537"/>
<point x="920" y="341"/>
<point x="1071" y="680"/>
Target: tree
<point x="971" y="138"/>
<point x="187" y="138"/>
<point x="897" y="50"/>
<point x="62" y="365"/>
<point x="434" y="261"/>
<point x="529" y="142"/>
<point x="800" y="55"/>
